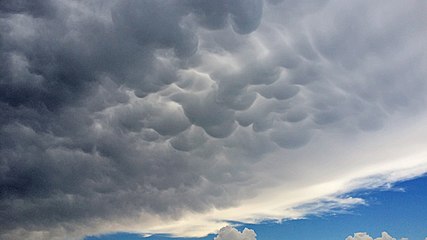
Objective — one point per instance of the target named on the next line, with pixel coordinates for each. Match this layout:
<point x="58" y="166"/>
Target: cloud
<point x="230" y="233"/>
<point x="179" y="116"/>
<point x="364" y="236"/>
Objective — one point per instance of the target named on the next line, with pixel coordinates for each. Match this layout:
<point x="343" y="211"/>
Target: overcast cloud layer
<point x="178" y="116"/>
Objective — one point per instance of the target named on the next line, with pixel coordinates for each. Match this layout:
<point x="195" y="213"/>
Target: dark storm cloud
<point x="112" y="109"/>
<point x="74" y="146"/>
<point x="245" y="16"/>
<point x="36" y="8"/>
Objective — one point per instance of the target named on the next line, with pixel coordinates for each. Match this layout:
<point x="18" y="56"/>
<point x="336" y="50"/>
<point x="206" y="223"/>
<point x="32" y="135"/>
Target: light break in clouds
<point x="178" y="117"/>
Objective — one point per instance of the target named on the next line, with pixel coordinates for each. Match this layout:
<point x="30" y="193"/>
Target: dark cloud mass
<point x="110" y="109"/>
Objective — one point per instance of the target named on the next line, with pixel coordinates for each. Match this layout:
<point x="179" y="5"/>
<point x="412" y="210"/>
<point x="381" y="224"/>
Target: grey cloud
<point x="135" y="18"/>
<point x="295" y="115"/>
<point x="245" y="16"/>
<point x="245" y="143"/>
<point x="189" y="140"/>
<point x="212" y="15"/>
<point x="290" y="138"/>
<point x="280" y="91"/>
<point x="76" y="144"/>
<point x="204" y="111"/>
<point x="111" y="109"/>
<point x="164" y="118"/>
<point x="35" y="8"/>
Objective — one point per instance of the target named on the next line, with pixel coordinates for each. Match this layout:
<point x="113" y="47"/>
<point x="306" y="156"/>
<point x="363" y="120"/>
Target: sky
<point x="399" y="210"/>
<point x="198" y="118"/>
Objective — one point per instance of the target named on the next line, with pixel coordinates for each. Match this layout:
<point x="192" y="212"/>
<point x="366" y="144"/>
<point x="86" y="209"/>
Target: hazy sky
<point x="181" y="117"/>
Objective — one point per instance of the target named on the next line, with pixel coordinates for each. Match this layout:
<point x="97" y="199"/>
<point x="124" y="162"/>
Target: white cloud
<point x="231" y="233"/>
<point x="365" y="236"/>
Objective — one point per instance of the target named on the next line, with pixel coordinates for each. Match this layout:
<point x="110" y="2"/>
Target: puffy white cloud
<point x="231" y="233"/>
<point x="365" y="236"/>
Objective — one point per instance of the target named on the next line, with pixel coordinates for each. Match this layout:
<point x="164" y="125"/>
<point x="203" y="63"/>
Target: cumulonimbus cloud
<point x="179" y="116"/>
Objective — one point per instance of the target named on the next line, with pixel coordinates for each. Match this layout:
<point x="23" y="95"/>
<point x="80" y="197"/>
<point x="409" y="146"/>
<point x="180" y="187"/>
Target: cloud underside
<point x="177" y="117"/>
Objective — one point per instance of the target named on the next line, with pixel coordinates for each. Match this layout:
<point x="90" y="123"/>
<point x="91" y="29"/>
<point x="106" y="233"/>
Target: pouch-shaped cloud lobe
<point x="178" y="116"/>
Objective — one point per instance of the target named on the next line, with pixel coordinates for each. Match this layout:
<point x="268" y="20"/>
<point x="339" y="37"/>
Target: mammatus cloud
<point x="179" y="116"/>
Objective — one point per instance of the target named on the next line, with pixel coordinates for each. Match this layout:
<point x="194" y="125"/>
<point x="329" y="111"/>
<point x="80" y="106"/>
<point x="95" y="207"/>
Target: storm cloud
<point x="178" y="116"/>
